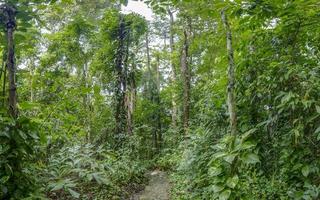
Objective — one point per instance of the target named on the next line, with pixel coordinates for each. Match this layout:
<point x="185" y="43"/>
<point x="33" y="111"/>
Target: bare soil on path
<point x="157" y="189"/>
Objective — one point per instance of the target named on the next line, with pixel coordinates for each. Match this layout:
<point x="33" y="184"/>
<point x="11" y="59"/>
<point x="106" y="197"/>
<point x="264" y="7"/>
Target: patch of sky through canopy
<point x="138" y="7"/>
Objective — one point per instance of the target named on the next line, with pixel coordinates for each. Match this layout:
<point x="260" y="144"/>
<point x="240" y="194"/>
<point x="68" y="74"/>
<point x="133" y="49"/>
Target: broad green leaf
<point x="4" y="179"/>
<point x="305" y="170"/>
<point x="219" y="155"/>
<point x="251" y="158"/>
<point x="217" y="188"/>
<point x="33" y="135"/>
<point x="247" y="134"/>
<point x="58" y="186"/>
<point x="317" y="131"/>
<point x="246" y="145"/>
<point x="232" y="181"/>
<point x="225" y="195"/>
<point x="100" y="179"/>
<point x="74" y="193"/>
<point x="5" y="134"/>
<point x="22" y="134"/>
<point x="215" y="171"/>
<point x="230" y="158"/>
<point x="318" y="109"/>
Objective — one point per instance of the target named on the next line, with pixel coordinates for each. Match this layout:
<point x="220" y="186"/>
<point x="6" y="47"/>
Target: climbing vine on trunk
<point x="9" y="15"/>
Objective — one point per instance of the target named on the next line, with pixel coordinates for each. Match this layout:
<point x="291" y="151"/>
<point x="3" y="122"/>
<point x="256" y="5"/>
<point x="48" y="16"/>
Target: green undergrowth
<point x="86" y="171"/>
<point x="233" y="167"/>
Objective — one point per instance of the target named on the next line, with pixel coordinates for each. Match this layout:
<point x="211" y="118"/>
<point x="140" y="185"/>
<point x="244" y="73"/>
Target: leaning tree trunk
<point x="173" y="73"/>
<point x="231" y="77"/>
<point x="186" y="83"/>
<point x="10" y="13"/>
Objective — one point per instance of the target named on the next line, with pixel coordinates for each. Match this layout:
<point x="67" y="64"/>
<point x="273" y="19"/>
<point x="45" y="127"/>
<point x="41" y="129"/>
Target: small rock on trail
<point x="157" y="189"/>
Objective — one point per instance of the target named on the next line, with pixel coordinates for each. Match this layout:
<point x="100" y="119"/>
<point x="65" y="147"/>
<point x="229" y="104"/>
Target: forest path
<point x="157" y="189"/>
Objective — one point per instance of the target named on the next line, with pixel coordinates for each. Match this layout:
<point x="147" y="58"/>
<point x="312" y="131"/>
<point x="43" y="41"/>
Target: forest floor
<point x="157" y="189"/>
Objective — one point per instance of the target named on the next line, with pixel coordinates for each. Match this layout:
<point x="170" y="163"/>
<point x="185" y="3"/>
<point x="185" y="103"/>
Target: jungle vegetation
<point x="222" y="95"/>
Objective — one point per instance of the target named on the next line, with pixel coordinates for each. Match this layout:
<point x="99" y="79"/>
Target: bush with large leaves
<point x="18" y="144"/>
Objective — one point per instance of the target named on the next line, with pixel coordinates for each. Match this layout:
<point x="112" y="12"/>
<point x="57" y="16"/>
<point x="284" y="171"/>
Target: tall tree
<point x="120" y="88"/>
<point x="173" y="69"/>
<point x="149" y="71"/>
<point x="231" y="77"/>
<point x="158" y="103"/>
<point x="185" y="71"/>
<point x="9" y="13"/>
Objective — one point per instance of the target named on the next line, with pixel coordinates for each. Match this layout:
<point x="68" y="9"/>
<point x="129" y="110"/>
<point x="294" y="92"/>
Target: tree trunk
<point x="173" y="72"/>
<point x="131" y="100"/>
<point x="120" y="116"/>
<point x="149" y="79"/>
<point x="158" y="102"/>
<point x="4" y="86"/>
<point x="10" y="27"/>
<point x="2" y="67"/>
<point x="151" y="96"/>
<point x="231" y="77"/>
<point x="129" y="79"/>
<point x="3" y="74"/>
<point x="86" y="99"/>
<point x="186" y="83"/>
<point x="31" y="68"/>
<point x="85" y="75"/>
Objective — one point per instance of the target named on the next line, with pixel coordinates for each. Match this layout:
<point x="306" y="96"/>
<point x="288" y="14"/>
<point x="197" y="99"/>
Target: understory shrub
<point x="232" y="167"/>
<point x="86" y="171"/>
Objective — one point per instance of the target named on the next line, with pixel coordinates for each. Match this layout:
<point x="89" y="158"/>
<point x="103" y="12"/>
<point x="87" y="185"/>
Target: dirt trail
<point x="157" y="189"/>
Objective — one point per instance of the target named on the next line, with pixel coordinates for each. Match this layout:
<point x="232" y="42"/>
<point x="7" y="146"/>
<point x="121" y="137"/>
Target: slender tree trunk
<point x="186" y="83"/>
<point x="31" y="84"/>
<point x="86" y="106"/>
<point x="173" y="72"/>
<point x="131" y="100"/>
<point x="133" y="90"/>
<point x="150" y="94"/>
<point x="2" y="67"/>
<point x="129" y="88"/>
<point x="85" y="84"/>
<point x="3" y="74"/>
<point x="231" y="77"/>
<point x="158" y="101"/>
<point x="4" y="86"/>
<point x="149" y="78"/>
<point x="10" y="27"/>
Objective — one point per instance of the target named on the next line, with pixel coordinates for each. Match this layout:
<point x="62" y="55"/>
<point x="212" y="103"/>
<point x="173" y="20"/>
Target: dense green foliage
<point x="275" y="154"/>
<point x="105" y="96"/>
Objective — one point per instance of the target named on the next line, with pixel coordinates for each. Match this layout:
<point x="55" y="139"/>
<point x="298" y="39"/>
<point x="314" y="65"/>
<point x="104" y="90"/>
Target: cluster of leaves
<point x="58" y="68"/>
<point x="214" y="169"/>
<point x="84" y="171"/>
<point x="277" y="88"/>
<point x="18" y="142"/>
<point x="68" y="81"/>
